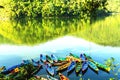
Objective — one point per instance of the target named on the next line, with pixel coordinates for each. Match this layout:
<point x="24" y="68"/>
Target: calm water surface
<point x="27" y="39"/>
<point x="61" y="47"/>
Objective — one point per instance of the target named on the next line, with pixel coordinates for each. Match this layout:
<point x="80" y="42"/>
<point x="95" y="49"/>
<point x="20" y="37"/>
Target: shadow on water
<point x="94" y="70"/>
<point x="61" y="71"/>
<point x="70" y="72"/>
<point x="83" y="72"/>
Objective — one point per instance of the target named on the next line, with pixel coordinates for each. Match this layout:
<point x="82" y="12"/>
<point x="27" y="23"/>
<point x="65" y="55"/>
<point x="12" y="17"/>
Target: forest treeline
<point x="57" y="8"/>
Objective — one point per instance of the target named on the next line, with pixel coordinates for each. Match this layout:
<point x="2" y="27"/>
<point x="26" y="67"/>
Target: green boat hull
<point x="78" y="67"/>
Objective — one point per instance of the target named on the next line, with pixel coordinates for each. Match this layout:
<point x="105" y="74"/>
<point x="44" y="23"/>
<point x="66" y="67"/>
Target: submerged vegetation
<point x="111" y="62"/>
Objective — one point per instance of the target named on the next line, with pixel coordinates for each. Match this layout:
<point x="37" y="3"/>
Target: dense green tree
<point x="57" y="8"/>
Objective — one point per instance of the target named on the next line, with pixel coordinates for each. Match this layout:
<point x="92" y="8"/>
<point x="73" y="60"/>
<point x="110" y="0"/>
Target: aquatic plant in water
<point x="114" y="68"/>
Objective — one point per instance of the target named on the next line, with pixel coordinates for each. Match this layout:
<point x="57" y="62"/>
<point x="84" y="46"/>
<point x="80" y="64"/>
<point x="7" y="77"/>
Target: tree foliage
<point x="57" y="8"/>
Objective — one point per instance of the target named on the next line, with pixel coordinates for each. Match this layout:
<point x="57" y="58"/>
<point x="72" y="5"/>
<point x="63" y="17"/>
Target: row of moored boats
<point x="54" y="65"/>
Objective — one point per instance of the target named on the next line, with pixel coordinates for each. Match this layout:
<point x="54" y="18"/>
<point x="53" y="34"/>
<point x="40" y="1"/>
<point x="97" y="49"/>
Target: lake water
<point x="27" y="39"/>
<point x="61" y="47"/>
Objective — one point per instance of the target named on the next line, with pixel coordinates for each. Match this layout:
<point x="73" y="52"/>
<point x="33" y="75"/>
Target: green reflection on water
<point x="31" y="32"/>
<point x="104" y="32"/>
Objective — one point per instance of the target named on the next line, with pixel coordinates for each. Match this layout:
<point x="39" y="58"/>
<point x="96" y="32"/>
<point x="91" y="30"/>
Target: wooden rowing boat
<point x="54" y="58"/>
<point x="62" y="77"/>
<point x="84" y="66"/>
<point x="39" y="77"/>
<point x="71" y="58"/>
<point x="78" y="66"/>
<point x="51" y="78"/>
<point x="7" y="71"/>
<point x="93" y="66"/>
<point x="62" y="67"/>
<point x="2" y="68"/>
<point x="15" y="70"/>
<point x="50" y="69"/>
<point x="61" y="59"/>
<point x="27" y="61"/>
<point x="35" y="63"/>
<point x="71" y="66"/>
<point x="37" y="69"/>
<point x="43" y="58"/>
<point x="82" y="57"/>
<point x="102" y="66"/>
<point x="49" y="59"/>
<point x="74" y="55"/>
<point x="59" y="63"/>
